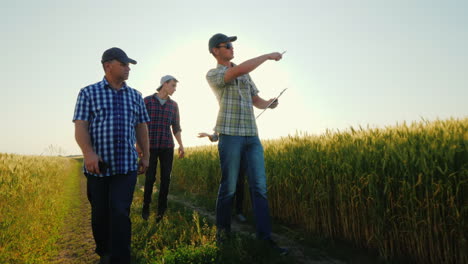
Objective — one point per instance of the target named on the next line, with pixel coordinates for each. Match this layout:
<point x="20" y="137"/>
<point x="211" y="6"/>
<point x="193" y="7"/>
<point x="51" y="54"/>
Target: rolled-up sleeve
<point x="215" y="77"/>
<point x="176" y="121"/>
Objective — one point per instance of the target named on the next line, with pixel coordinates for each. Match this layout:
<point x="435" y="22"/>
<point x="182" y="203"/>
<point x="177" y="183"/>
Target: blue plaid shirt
<point x="112" y="117"/>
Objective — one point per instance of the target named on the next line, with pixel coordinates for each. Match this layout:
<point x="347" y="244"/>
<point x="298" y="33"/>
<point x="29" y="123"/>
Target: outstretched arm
<point x="250" y="65"/>
<point x="212" y="137"/>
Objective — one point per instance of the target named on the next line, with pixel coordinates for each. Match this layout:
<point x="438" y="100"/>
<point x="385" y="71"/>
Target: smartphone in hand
<point x="103" y="167"/>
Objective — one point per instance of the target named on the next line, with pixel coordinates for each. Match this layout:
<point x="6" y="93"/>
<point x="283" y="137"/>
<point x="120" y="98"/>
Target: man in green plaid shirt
<point x="238" y="135"/>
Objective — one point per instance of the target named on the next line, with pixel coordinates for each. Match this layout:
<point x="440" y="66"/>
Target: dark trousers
<point x="240" y="192"/>
<point x="110" y="198"/>
<point x="165" y="156"/>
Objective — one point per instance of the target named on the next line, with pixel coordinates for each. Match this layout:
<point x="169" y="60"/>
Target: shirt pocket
<point x="133" y="109"/>
<point x="101" y="114"/>
<point x="244" y="83"/>
<point x="244" y="89"/>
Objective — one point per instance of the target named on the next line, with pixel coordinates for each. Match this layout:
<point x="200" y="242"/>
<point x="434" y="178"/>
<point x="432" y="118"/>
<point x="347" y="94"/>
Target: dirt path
<point x="296" y="249"/>
<point x="78" y="243"/>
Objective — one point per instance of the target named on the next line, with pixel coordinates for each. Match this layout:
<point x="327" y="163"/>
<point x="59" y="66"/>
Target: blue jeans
<point x="111" y="198"/>
<point x="233" y="149"/>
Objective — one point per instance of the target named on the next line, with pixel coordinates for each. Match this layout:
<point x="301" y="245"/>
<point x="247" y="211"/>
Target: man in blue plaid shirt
<point x="238" y="135"/>
<point x="110" y="118"/>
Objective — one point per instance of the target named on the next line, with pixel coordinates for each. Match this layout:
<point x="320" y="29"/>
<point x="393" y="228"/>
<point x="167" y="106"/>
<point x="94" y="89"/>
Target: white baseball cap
<point x="166" y="78"/>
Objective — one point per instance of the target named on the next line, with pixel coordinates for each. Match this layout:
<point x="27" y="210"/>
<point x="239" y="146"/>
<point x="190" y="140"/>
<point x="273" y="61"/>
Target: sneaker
<point x="241" y="218"/>
<point x="145" y="212"/>
<point x="281" y="251"/>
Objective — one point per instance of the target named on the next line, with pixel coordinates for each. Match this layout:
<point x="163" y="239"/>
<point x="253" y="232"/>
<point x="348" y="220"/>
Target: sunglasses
<point x="227" y="46"/>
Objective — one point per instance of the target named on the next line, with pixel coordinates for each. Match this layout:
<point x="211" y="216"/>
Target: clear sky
<point x="348" y="63"/>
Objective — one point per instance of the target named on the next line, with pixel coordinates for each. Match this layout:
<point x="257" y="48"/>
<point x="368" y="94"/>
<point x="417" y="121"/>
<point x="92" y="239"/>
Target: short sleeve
<point x="82" y="107"/>
<point x="215" y="77"/>
<point x="143" y="116"/>
<point x="253" y="88"/>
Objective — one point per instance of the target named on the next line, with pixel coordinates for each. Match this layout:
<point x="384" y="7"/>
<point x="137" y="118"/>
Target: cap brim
<point x="132" y="61"/>
<point x="128" y="60"/>
<point x="232" y="39"/>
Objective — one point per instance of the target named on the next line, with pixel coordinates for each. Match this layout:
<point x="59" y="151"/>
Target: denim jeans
<point x="240" y="192"/>
<point x="166" y="156"/>
<point x="110" y="198"/>
<point x="248" y="149"/>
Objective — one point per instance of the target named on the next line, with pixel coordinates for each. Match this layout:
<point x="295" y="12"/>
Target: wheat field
<point x="400" y="190"/>
<point x="34" y="197"/>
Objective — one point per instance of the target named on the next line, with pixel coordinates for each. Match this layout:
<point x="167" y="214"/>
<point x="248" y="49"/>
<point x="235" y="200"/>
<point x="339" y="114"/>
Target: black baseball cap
<point x="219" y="38"/>
<point x="116" y="54"/>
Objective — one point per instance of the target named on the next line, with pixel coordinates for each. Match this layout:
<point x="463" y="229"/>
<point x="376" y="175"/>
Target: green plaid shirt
<point x="236" y="115"/>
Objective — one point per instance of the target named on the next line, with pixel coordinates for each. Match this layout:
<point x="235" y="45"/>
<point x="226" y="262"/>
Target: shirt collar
<point x="107" y="85"/>
<point x="224" y="66"/>
<point x="156" y="97"/>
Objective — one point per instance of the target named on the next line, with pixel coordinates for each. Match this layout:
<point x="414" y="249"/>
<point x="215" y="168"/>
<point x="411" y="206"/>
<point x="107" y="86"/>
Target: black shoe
<point x="160" y="214"/>
<point x="104" y="259"/>
<point x="159" y="217"/>
<point x="281" y="251"/>
<point x="145" y="212"/>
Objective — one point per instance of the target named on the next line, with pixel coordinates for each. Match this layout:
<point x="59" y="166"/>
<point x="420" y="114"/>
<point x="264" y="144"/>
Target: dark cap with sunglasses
<point x="217" y="39"/>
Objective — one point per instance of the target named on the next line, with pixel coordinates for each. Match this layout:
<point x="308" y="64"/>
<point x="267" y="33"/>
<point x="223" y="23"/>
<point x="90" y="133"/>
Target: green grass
<point x="183" y="236"/>
<point x="316" y="247"/>
<point x="34" y="199"/>
<point x="40" y="199"/>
